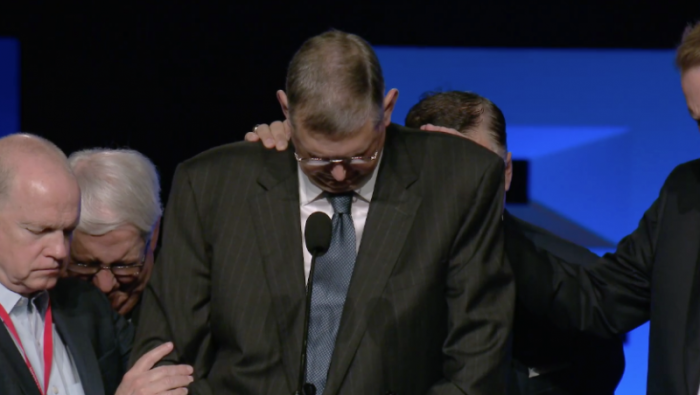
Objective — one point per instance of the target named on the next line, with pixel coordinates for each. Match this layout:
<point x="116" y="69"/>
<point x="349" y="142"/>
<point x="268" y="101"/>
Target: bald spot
<point x="32" y="160"/>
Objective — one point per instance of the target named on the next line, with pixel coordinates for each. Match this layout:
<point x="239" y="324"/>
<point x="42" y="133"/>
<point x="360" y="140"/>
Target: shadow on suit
<point x="98" y="339"/>
<point x="590" y="365"/>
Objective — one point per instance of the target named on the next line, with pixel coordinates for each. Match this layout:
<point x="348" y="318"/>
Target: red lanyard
<point x="48" y="344"/>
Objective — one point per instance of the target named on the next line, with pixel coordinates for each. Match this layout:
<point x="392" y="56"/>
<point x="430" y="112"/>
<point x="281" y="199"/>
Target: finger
<point x="287" y="129"/>
<point x="179" y="391"/>
<point x="279" y="134"/>
<point x="129" y="304"/>
<point x="168" y="383"/>
<point x="433" y="128"/>
<point x="162" y="372"/>
<point x="252" y="137"/>
<point x="263" y="131"/>
<point x="150" y="358"/>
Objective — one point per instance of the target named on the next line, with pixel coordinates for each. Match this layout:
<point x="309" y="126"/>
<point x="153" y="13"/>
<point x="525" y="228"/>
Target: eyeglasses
<point x="120" y="272"/>
<point x="321" y="162"/>
<point x="91" y="269"/>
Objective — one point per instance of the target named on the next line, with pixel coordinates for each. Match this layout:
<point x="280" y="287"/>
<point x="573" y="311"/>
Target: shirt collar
<point x="8" y="299"/>
<point x="309" y="192"/>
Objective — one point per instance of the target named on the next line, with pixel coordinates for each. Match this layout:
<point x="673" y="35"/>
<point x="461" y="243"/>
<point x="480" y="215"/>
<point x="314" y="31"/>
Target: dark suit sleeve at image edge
<point x="169" y="313"/>
<point x="480" y="297"/>
<point x="608" y="297"/>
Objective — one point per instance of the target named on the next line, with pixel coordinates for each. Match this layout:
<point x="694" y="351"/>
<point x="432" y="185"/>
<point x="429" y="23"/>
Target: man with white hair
<point x="114" y="242"/>
<point x="58" y="336"/>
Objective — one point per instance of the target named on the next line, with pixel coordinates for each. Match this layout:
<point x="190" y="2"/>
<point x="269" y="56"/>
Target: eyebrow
<point x="99" y="262"/>
<point x="363" y="153"/>
<point x="91" y="259"/>
<point x="37" y="225"/>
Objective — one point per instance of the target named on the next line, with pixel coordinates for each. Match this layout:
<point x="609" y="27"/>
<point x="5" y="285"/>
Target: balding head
<point x="26" y="152"/>
<point x="39" y="209"/>
<point x="335" y="84"/>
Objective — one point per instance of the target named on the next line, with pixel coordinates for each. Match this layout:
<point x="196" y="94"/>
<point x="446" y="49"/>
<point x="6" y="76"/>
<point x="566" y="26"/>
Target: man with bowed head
<point x="58" y="336"/>
<point x="654" y="275"/>
<point x="546" y="360"/>
<point x="115" y="240"/>
<point x="412" y="297"/>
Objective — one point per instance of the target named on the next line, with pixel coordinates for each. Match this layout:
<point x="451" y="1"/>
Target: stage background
<point x="600" y="131"/>
<point x="593" y="104"/>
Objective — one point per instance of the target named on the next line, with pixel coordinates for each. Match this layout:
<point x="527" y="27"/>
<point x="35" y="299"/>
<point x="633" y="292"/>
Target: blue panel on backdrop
<point x="9" y="86"/>
<point x="601" y="129"/>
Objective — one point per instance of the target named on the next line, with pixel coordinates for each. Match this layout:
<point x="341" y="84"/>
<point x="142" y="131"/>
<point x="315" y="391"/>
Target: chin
<point x="338" y="188"/>
<point x="44" y="283"/>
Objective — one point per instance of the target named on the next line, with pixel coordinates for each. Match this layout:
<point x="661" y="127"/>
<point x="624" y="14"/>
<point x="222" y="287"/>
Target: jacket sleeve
<point x="176" y="302"/>
<point x="611" y="296"/>
<point x="480" y="298"/>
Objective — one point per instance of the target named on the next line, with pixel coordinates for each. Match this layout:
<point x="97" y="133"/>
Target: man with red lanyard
<point x="58" y="336"/>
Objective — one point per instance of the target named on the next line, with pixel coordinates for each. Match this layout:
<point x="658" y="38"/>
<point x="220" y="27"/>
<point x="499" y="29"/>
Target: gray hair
<point x="118" y="187"/>
<point x="334" y="84"/>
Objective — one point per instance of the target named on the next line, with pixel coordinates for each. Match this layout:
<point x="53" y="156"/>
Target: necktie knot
<point x="341" y="202"/>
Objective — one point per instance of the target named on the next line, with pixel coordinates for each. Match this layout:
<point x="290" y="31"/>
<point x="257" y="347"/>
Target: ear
<point x="282" y="98"/>
<point x="154" y="236"/>
<point x="389" y="104"/>
<point x="509" y="170"/>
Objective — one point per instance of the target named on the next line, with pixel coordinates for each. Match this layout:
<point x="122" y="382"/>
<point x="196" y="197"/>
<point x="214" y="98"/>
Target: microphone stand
<point x="302" y="388"/>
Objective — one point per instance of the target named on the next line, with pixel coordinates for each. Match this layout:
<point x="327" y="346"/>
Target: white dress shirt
<point x="311" y="199"/>
<point x="64" y="375"/>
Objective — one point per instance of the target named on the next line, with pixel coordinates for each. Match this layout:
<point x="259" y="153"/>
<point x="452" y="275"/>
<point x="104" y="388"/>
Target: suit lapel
<point x="278" y="230"/>
<point x="81" y="350"/>
<point x="9" y="352"/>
<point x="389" y="220"/>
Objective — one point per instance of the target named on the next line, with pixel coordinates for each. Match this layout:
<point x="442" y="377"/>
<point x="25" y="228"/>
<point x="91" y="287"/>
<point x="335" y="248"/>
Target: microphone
<point x="317" y="234"/>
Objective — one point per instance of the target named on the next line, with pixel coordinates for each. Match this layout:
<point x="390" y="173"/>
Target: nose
<point x="105" y="281"/>
<point x="59" y="245"/>
<point x="339" y="172"/>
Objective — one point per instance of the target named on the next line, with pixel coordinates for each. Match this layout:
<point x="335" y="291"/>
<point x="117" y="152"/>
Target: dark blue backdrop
<point x="601" y="129"/>
<point x="9" y="86"/>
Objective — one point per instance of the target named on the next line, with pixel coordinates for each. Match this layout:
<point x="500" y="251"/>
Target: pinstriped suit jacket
<point x="430" y="304"/>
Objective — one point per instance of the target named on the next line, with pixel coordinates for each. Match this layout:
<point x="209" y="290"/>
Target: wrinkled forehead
<point x="329" y="144"/>
<point x="123" y="242"/>
<point x="49" y="191"/>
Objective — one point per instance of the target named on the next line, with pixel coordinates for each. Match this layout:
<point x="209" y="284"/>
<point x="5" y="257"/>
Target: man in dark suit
<point x="57" y="336"/>
<point x="427" y="305"/>
<point x="78" y="312"/>
<point x="546" y="360"/>
<point x="653" y="275"/>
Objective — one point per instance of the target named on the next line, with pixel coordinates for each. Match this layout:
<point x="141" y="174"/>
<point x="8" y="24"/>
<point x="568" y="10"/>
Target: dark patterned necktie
<point x="332" y="276"/>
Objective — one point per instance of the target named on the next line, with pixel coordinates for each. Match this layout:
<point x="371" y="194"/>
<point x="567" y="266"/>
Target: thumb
<point x="252" y="136"/>
<point x="149" y="359"/>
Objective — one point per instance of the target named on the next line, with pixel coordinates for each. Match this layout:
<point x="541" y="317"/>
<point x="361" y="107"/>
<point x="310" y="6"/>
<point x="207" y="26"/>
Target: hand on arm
<point x="274" y="135"/>
<point x="144" y="379"/>
<point x="608" y="297"/>
<point x="168" y="313"/>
